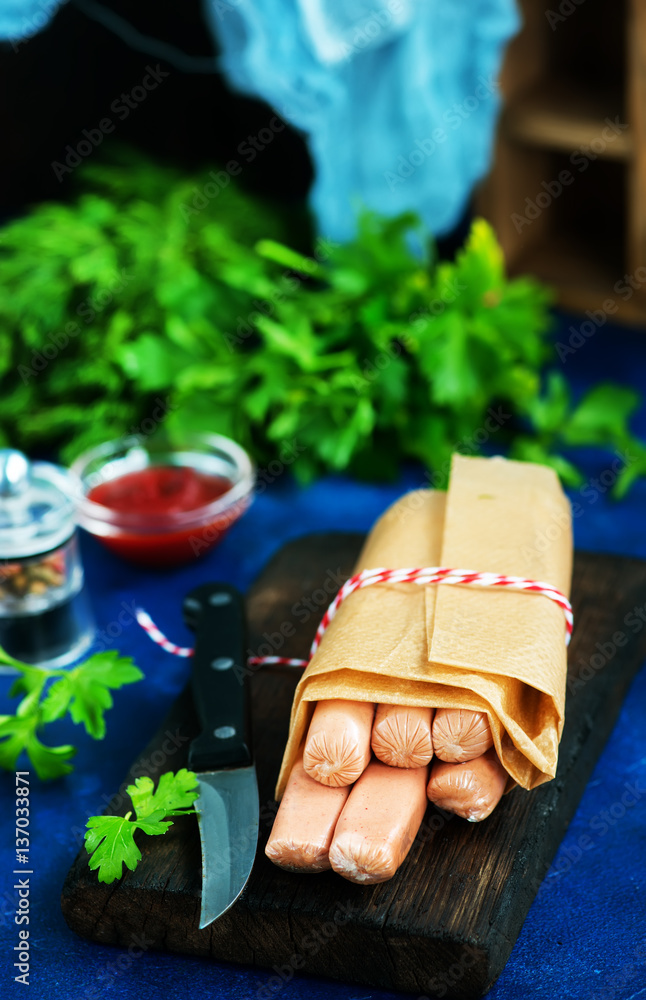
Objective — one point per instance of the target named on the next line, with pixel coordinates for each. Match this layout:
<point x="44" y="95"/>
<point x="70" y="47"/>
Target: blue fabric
<point x="397" y="98"/>
<point x="583" y="938"/>
<point x="20" y="19"/>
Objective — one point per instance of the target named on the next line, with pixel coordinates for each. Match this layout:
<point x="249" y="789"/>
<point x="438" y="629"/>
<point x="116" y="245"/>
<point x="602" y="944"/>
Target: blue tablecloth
<point x="584" y="935"/>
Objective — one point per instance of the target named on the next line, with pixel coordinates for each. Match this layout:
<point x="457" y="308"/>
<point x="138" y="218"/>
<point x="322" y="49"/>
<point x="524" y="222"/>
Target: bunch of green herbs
<point x="130" y="304"/>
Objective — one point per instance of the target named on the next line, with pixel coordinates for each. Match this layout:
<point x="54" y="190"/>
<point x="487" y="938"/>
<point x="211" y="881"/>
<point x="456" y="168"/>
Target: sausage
<point x="460" y="735"/>
<point x="379" y="823"/>
<point x="401" y="736"/>
<point x="302" y="832"/>
<point x="337" y="747"/>
<point x="471" y="790"/>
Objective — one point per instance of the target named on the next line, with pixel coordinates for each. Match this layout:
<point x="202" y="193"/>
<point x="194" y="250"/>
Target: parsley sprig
<point x="82" y="691"/>
<point x="110" y="840"/>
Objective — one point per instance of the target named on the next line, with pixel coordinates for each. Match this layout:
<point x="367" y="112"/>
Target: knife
<point x="221" y="755"/>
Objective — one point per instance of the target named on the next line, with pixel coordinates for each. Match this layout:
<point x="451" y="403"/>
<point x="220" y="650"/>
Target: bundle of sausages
<point x="415" y="696"/>
<point x="364" y="832"/>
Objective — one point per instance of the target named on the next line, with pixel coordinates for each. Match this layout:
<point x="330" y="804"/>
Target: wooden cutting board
<point x="446" y="923"/>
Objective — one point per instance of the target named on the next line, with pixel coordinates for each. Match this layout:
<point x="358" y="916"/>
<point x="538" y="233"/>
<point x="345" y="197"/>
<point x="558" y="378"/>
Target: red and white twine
<point x="367" y="578"/>
<point x="149" y="626"/>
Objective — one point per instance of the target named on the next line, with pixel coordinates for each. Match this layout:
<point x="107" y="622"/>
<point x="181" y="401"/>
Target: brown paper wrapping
<point x="500" y="652"/>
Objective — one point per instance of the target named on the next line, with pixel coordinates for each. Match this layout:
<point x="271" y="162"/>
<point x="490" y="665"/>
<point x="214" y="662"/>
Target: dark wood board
<point x="453" y="911"/>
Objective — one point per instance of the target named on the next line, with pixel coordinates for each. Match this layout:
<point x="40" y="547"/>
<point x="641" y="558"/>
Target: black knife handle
<point x="220" y="678"/>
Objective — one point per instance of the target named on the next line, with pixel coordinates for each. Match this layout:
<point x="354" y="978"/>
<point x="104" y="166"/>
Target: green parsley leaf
<point x="173" y="796"/>
<point x="50" y="762"/>
<point x="15" y="733"/>
<point x="110" y="840"/>
<point x="18" y="733"/>
<point x="602" y="416"/>
<point x="30" y="683"/>
<point x="85" y="690"/>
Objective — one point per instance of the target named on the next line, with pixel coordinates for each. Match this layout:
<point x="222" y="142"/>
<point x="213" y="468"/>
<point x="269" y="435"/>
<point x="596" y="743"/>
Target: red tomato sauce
<point x="161" y="491"/>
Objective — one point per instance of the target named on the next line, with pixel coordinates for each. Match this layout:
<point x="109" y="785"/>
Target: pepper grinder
<point x="45" y="617"/>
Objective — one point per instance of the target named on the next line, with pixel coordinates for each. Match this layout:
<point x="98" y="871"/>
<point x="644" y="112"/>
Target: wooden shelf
<point x="567" y="191"/>
<point x="583" y="276"/>
<point x="559" y="116"/>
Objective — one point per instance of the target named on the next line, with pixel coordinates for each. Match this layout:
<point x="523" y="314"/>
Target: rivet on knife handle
<point x="220" y="685"/>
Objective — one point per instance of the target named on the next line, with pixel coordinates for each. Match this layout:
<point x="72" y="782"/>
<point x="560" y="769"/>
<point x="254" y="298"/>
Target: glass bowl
<point x="157" y="503"/>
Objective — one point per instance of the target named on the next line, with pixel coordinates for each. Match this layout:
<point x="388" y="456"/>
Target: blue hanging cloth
<point x="397" y="98"/>
<point x="20" y="19"/>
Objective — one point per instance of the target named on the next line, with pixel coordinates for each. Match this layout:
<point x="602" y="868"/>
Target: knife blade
<point x="221" y="755"/>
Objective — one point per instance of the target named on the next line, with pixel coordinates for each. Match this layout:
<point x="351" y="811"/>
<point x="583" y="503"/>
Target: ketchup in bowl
<point x="159" y="507"/>
<point x="160" y="489"/>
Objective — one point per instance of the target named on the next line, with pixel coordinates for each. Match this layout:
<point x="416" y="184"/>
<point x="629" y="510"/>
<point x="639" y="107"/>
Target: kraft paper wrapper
<point x="497" y="651"/>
